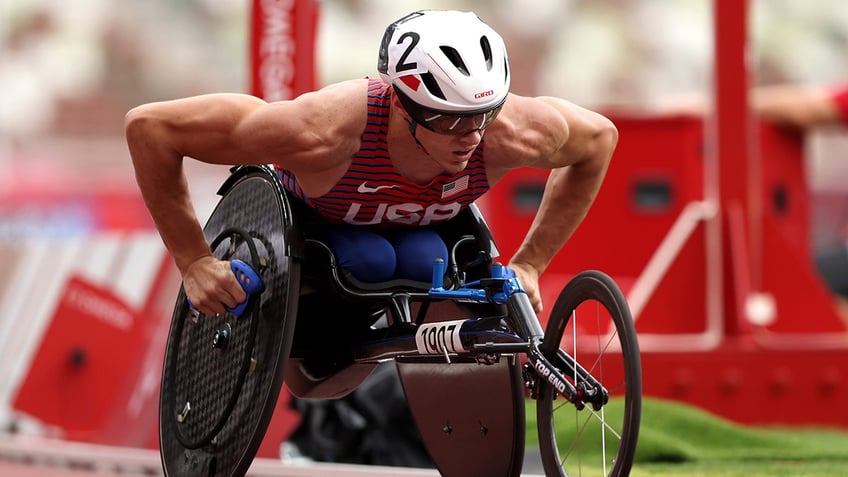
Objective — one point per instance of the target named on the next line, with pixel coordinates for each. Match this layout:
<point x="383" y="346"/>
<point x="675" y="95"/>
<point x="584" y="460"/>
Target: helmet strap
<point x="411" y="123"/>
<point x="413" y="127"/>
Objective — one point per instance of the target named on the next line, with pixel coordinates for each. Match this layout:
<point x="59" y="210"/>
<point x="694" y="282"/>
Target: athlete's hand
<point x="528" y="277"/>
<point x="212" y="287"/>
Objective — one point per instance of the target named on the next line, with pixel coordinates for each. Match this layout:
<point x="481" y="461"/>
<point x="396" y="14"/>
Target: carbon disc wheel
<point x="222" y="374"/>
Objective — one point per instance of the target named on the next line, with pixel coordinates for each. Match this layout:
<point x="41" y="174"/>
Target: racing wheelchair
<point x="471" y="353"/>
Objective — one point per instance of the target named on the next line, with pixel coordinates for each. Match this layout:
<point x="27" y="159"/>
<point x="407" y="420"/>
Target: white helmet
<point x="446" y="62"/>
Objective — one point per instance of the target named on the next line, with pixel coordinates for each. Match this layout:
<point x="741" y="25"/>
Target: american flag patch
<point x="455" y="187"/>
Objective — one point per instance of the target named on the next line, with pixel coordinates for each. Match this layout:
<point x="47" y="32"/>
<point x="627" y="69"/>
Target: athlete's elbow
<point x="147" y="136"/>
<point x="138" y="123"/>
<point x="603" y="142"/>
<point x="607" y="136"/>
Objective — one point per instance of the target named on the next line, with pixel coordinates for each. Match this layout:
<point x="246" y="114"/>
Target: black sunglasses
<point x="458" y="124"/>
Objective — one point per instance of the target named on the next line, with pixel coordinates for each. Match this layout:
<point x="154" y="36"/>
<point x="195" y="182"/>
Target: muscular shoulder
<point x="340" y="105"/>
<point x="323" y="124"/>
<point x="546" y="132"/>
<point x="526" y="131"/>
<point x="335" y="111"/>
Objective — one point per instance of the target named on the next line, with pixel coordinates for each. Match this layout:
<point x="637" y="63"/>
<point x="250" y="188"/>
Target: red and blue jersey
<point x="372" y="192"/>
<point x="840" y="99"/>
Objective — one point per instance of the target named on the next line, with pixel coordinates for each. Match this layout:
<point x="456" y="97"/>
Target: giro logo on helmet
<point x="484" y="94"/>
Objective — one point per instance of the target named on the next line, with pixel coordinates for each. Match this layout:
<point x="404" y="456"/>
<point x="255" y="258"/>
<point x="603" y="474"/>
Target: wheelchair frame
<point x="466" y="379"/>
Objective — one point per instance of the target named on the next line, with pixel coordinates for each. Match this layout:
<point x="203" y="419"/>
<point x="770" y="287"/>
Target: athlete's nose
<point x="472" y="137"/>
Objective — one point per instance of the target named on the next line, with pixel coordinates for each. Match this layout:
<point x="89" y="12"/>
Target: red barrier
<point x="657" y="172"/>
<point x="89" y="358"/>
<point x="706" y="227"/>
<point x="726" y="300"/>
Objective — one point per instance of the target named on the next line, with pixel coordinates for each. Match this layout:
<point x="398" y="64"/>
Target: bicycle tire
<point x="604" y="441"/>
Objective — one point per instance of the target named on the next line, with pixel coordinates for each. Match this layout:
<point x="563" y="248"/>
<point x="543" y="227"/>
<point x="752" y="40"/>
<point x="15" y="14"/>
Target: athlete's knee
<point x="367" y="255"/>
<point x="416" y="251"/>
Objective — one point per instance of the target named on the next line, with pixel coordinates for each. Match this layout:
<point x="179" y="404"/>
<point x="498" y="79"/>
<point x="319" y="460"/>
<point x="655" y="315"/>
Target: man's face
<point x="449" y="140"/>
<point x="452" y="152"/>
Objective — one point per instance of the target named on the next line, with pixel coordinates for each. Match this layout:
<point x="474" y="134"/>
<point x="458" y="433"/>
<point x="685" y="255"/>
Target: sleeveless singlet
<point x="840" y="99"/>
<point x="372" y="192"/>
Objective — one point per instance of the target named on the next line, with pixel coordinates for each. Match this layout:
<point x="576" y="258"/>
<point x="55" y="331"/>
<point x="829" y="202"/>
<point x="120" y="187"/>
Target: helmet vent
<point x="432" y="85"/>
<point x="455" y="58"/>
<point x="487" y="51"/>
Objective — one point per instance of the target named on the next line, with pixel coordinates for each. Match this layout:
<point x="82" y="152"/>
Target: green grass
<point x="683" y="441"/>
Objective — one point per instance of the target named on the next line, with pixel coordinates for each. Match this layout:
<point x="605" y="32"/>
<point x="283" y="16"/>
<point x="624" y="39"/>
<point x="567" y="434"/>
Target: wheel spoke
<point x="602" y="440"/>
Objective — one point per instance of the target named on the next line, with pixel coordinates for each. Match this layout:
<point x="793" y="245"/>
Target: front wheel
<point x="591" y="329"/>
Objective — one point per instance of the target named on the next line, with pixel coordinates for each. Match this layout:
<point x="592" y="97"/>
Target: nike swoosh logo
<point x="364" y="189"/>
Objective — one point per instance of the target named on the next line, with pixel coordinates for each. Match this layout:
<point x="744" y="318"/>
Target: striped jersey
<point x="840" y="99"/>
<point x="372" y="192"/>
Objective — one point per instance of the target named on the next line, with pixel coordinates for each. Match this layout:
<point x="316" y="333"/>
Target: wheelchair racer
<point x="383" y="159"/>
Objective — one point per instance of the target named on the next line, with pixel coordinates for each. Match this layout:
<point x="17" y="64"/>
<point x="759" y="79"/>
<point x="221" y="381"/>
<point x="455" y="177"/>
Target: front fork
<point x="540" y="369"/>
<point x="585" y="389"/>
<point x="504" y="288"/>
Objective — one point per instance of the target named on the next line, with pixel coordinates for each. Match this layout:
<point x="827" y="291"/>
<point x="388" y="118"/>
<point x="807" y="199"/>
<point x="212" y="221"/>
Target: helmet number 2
<point x="402" y="64"/>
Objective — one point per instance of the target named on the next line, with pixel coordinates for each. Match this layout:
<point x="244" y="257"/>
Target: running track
<point x="22" y="456"/>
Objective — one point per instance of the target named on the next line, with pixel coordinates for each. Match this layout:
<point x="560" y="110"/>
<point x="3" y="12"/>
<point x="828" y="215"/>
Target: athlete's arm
<point x="308" y="134"/>
<point x="577" y="145"/>
<point x="798" y="106"/>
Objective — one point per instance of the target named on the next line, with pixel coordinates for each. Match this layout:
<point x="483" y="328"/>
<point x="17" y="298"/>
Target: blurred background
<point x="70" y="70"/>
